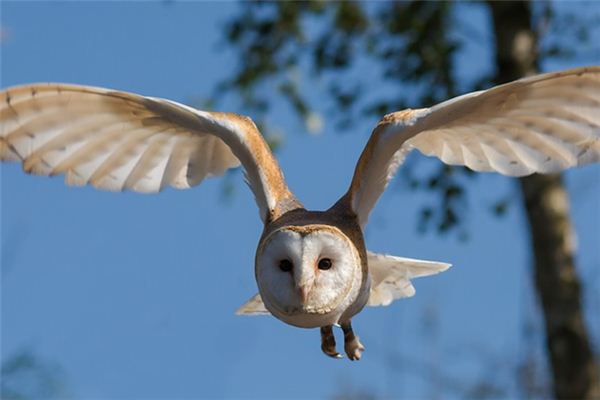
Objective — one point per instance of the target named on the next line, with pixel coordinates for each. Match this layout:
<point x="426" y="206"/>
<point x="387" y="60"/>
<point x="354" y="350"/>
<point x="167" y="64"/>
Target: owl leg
<point x="328" y="342"/>
<point x="352" y="345"/>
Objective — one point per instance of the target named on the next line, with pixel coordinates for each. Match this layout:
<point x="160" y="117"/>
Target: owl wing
<point x="544" y="123"/>
<point x="391" y="276"/>
<point x="122" y="141"/>
<point x="254" y="306"/>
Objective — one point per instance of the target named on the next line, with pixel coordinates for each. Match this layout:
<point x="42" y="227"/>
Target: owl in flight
<point x="311" y="267"/>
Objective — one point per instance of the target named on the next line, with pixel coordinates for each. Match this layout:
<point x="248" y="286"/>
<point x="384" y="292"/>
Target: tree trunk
<point x="574" y="370"/>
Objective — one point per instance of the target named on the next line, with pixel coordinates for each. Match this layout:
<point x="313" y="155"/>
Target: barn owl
<point x="311" y="267"/>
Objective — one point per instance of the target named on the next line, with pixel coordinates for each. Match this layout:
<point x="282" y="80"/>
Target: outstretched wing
<point x="545" y="123"/>
<point x="122" y="141"/>
<point x="391" y="276"/>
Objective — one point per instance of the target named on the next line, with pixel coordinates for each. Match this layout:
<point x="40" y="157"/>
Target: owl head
<point x="308" y="275"/>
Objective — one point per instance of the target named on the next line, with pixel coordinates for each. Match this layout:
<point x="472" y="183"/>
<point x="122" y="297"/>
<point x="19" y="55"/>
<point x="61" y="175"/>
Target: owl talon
<point x="352" y="345"/>
<point x="335" y="355"/>
<point x="354" y="349"/>
<point x="328" y="342"/>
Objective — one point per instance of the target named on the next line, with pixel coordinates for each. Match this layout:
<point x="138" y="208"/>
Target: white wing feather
<point x="122" y="141"/>
<point x="545" y="123"/>
<point x="391" y="276"/>
<point x="254" y="306"/>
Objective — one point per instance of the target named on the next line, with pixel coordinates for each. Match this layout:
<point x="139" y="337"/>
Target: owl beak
<point x="304" y="281"/>
<point x="303" y="291"/>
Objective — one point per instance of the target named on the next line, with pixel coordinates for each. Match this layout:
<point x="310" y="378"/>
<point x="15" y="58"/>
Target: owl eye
<point x="286" y="265"/>
<point x="325" y="263"/>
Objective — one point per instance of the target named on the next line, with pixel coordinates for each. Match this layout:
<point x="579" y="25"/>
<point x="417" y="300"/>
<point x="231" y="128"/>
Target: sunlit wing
<point x="122" y="141"/>
<point x="391" y="276"/>
<point x="544" y="123"/>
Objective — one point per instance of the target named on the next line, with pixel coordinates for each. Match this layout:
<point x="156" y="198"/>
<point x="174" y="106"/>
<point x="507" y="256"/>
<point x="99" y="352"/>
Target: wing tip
<point x="246" y="313"/>
<point x="444" y="266"/>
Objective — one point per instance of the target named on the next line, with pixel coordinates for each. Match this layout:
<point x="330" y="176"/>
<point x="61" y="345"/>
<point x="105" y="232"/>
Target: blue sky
<point x="133" y="295"/>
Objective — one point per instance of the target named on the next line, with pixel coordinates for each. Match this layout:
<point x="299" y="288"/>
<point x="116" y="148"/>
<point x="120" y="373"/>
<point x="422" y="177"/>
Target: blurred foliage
<point x="410" y="49"/>
<point x="26" y="376"/>
<point x="409" y="46"/>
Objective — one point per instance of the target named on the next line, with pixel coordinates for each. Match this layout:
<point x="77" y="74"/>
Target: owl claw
<point x="328" y="342"/>
<point x="354" y="349"/>
<point x="335" y="354"/>
<point x="352" y="345"/>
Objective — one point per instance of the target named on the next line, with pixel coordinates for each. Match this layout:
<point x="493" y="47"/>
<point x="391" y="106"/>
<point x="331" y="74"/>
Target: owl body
<point x="311" y="267"/>
<point x="305" y="239"/>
